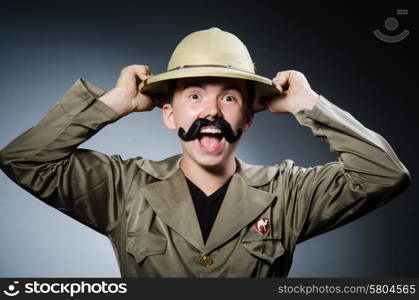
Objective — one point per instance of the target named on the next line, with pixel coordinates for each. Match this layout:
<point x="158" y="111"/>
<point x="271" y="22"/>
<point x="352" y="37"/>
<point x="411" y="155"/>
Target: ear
<point x="249" y="119"/>
<point x="168" y="119"/>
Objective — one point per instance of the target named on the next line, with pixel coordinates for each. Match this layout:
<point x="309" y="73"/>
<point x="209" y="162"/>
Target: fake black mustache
<point x="196" y="126"/>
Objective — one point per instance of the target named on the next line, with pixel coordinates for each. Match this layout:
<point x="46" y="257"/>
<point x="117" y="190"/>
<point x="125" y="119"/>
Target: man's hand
<point x="297" y="93"/>
<point x="125" y="98"/>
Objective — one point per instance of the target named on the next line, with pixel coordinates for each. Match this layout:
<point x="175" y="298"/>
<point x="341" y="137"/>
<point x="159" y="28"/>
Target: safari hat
<point x="210" y="53"/>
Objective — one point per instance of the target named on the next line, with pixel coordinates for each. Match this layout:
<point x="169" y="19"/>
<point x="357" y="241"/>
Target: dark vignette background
<point x="46" y="46"/>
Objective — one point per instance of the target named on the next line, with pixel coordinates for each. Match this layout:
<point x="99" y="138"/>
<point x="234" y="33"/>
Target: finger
<point x="144" y="76"/>
<point x="282" y="78"/>
<point x="278" y="85"/>
<point x="134" y="74"/>
<point x="145" y="69"/>
<point x="136" y="69"/>
<point x="144" y="72"/>
<point x="281" y="86"/>
<point x="141" y="70"/>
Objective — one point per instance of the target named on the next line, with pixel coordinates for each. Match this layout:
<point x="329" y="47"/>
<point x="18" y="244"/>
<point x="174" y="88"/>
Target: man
<point x="204" y="213"/>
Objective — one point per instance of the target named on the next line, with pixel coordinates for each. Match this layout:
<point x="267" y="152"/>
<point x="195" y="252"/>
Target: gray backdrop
<point x="46" y="46"/>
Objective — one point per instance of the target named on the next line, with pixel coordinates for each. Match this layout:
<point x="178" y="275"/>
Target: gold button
<point x="206" y="261"/>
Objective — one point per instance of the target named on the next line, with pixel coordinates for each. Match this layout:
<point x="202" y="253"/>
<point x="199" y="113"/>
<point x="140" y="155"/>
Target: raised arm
<point x="87" y="185"/>
<point x="367" y="174"/>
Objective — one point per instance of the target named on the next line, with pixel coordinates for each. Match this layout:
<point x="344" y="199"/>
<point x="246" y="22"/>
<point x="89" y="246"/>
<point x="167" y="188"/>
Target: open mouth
<point x="210" y="139"/>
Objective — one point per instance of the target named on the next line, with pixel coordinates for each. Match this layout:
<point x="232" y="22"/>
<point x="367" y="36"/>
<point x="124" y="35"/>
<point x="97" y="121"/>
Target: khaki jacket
<point x="145" y="209"/>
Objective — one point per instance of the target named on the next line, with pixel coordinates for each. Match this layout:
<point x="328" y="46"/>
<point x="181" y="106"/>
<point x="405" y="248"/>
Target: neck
<point x="208" y="179"/>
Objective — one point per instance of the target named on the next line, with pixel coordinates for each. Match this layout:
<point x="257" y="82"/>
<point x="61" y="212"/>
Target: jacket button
<point x="206" y="261"/>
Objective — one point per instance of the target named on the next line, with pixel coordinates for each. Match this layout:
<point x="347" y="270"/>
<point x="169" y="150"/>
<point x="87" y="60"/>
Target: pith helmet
<point x="211" y="52"/>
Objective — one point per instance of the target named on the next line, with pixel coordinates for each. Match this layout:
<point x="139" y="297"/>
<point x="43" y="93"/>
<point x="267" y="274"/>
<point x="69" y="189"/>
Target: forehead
<point x="225" y="83"/>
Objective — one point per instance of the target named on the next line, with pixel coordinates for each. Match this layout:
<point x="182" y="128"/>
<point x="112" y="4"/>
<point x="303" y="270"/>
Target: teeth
<point x="210" y="130"/>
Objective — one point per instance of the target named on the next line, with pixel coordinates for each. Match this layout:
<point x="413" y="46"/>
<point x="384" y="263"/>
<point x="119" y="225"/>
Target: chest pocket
<point x="143" y="246"/>
<point x="265" y="248"/>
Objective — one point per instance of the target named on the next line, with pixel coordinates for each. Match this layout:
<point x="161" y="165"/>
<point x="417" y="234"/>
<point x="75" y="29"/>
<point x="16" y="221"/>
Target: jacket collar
<point x="170" y="199"/>
<point x="254" y="175"/>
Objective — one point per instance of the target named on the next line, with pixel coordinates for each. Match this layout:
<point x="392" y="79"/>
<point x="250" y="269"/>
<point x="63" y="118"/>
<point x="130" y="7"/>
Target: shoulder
<point x="259" y="175"/>
<point x="162" y="169"/>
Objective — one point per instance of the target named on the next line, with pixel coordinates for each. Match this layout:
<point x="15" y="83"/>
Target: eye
<point x="229" y="98"/>
<point x="194" y="96"/>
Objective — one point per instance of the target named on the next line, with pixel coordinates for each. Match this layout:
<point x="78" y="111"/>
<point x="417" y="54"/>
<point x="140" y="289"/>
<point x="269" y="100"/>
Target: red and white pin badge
<point x="262" y="225"/>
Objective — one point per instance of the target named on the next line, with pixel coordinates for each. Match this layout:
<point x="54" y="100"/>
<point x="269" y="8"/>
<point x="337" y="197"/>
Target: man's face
<point x="208" y="98"/>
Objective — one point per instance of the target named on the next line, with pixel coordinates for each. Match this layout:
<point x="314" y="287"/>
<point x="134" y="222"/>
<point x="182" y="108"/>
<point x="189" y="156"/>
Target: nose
<point x="211" y="109"/>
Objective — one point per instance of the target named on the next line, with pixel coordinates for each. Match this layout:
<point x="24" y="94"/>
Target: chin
<point x="209" y="161"/>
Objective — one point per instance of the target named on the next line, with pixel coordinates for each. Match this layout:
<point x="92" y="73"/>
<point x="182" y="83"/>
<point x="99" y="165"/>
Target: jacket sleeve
<point x="84" y="184"/>
<point x="367" y="174"/>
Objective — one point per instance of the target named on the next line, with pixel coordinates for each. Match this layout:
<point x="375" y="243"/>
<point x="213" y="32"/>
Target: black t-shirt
<point x="206" y="207"/>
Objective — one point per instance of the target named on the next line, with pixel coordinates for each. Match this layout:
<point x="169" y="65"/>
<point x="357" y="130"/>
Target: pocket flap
<point x="142" y="246"/>
<point x="267" y="248"/>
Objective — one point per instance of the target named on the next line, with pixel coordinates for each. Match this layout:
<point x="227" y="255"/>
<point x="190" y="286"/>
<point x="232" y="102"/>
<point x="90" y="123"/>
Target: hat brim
<point x="156" y="86"/>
